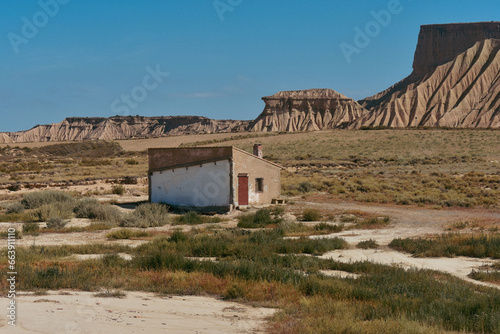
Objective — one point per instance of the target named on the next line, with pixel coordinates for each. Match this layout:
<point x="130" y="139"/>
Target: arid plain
<point x="383" y="231"/>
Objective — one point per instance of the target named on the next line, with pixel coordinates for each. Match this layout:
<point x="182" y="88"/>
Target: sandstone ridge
<point x="306" y="110"/>
<point x="121" y="127"/>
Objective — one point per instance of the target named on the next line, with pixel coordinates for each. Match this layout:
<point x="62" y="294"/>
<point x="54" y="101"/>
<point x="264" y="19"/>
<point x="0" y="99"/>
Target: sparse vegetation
<point x="147" y="215"/>
<point x="92" y="209"/>
<point x="261" y="218"/>
<point x="383" y="299"/>
<point x="31" y="228"/>
<point x="367" y="244"/>
<point x="38" y="199"/>
<point x="118" y="189"/>
<point x="451" y="244"/>
<point x="126" y="233"/>
<point x="311" y="215"/>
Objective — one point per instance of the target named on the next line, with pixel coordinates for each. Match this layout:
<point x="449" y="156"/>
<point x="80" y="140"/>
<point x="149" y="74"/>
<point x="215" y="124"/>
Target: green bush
<point x="131" y="162"/>
<point x="329" y="227"/>
<point x="126" y="233"/>
<point x="57" y="210"/>
<point x="92" y="209"/>
<point x="31" y="228"/>
<point x="190" y="218"/>
<point x="367" y="244"/>
<point x="37" y="199"/>
<point x="147" y="215"/>
<point x="451" y="244"/>
<point x="56" y="223"/>
<point x="118" y="189"/>
<point x="17" y="207"/>
<point x="311" y="215"/>
<point x="261" y="218"/>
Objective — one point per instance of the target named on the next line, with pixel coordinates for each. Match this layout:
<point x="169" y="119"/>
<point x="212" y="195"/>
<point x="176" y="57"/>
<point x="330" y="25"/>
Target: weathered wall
<point x="167" y="157"/>
<point x="200" y="186"/>
<point x="256" y="168"/>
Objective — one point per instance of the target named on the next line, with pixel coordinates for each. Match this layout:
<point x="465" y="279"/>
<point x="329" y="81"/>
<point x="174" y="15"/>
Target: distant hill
<point x="122" y="127"/>
<point x="307" y="110"/>
<point x="455" y="83"/>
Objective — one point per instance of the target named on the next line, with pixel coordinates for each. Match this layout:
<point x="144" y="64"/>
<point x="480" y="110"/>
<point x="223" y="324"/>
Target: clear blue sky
<point x="85" y="55"/>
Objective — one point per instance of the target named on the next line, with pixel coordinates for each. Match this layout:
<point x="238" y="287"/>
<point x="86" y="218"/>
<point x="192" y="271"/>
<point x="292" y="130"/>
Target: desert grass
<point x="147" y="215"/>
<point x="126" y="233"/>
<point x="383" y="299"/>
<point x="262" y="218"/>
<point x="451" y="244"/>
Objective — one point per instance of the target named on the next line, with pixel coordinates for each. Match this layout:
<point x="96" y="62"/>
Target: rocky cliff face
<point x="455" y="82"/>
<point x="441" y="43"/>
<point x="306" y="110"/>
<point x="80" y="128"/>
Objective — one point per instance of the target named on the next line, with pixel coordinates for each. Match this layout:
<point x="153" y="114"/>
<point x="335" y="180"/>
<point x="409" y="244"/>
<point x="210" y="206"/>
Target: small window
<point x="259" y="185"/>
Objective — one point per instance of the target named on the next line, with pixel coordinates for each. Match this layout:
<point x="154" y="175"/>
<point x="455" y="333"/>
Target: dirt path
<point x="82" y="312"/>
<point x="409" y="215"/>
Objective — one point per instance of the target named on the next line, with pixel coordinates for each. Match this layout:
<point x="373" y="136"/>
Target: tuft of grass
<point x="56" y="223"/>
<point x="311" y="215"/>
<point x="118" y="189"/>
<point x="110" y="294"/>
<point x="372" y="223"/>
<point x="40" y="198"/>
<point x="126" y="233"/>
<point x="92" y="209"/>
<point x="53" y="211"/>
<point x="16" y="207"/>
<point x="367" y="244"/>
<point x="451" y="244"/>
<point x="147" y="215"/>
<point x="31" y="228"/>
<point x="329" y="228"/>
<point x="261" y="218"/>
<point x="194" y="218"/>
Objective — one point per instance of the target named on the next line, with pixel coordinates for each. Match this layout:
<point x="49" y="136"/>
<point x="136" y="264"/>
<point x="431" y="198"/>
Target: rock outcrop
<point x="306" y="110"/>
<point x="122" y="127"/>
<point x="455" y="82"/>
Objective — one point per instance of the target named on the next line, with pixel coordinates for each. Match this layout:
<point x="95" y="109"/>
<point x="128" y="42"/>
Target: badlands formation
<point x="455" y="83"/>
<point x="307" y="110"/>
<point x="122" y="127"/>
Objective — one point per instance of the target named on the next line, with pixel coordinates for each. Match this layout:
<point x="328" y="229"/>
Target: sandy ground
<point x="407" y="222"/>
<point x="82" y="312"/>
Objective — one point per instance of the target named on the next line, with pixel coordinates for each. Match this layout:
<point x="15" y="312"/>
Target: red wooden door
<point x="242" y="189"/>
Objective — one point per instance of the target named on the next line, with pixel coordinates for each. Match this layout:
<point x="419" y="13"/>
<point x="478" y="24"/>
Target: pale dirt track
<point x="138" y="312"/>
